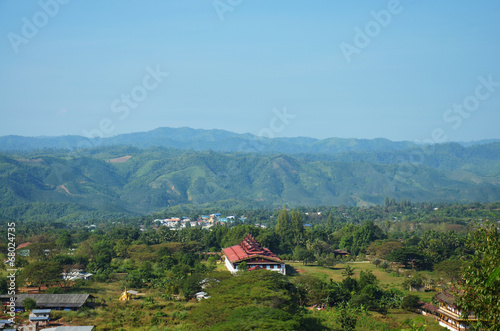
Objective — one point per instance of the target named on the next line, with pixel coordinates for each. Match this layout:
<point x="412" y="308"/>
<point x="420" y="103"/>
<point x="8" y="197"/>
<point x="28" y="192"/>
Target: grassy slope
<point x="373" y="321"/>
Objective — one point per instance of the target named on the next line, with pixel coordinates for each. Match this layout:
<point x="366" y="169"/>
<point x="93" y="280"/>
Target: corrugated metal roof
<point x="71" y="328"/>
<point x="39" y="318"/>
<point x="41" y="311"/>
<point x="51" y="300"/>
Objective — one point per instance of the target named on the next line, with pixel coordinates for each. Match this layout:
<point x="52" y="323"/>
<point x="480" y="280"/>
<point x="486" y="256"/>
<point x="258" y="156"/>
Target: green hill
<point x="124" y="181"/>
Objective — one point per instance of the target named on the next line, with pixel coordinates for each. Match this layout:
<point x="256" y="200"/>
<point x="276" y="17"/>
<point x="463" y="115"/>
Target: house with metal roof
<point x="50" y="301"/>
<point x="254" y="255"/>
<point x="448" y="315"/>
<point x="70" y="328"/>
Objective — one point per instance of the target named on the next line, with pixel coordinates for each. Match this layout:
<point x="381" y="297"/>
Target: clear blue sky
<point x="69" y="74"/>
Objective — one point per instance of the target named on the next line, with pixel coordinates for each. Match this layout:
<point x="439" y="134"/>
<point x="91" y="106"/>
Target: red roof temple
<point x="255" y="256"/>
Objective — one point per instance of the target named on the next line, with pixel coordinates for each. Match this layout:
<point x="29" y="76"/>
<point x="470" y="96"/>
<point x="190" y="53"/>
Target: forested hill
<point x="203" y="140"/>
<point x="128" y="180"/>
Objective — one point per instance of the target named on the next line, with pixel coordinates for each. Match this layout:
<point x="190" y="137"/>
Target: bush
<point x="411" y="302"/>
<point x="29" y="304"/>
<point x="54" y="290"/>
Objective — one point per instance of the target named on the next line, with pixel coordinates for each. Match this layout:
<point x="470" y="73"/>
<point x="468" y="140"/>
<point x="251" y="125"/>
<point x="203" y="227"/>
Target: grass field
<point x="387" y="280"/>
<point x="394" y="319"/>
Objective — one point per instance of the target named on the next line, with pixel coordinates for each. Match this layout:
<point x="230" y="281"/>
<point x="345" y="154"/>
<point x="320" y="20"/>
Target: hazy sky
<point x="402" y="70"/>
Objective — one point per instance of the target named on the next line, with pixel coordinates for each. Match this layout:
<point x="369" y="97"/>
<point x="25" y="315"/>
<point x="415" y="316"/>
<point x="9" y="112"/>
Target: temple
<point x="255" y="256"/>
<point x="447" y="313"/>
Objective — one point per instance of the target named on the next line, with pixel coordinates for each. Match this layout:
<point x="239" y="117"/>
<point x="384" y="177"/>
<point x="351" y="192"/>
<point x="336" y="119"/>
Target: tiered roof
<point x="247" y="249"/>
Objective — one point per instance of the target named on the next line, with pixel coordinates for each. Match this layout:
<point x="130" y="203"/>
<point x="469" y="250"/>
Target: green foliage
<point x="481" y="289"/>
<point x="410" y="257"/>
<point x="243" y="266"/>
<point x="348" y="317"/>
<point x="69" y="185"/>
<point x="29" y="304"/>
<point x="3" y="285"/>
<point x="42" y="273"/>
<point x="411" y="302"/>
<point x="450" y="269"/>
<point x="417" y="324"/>
<point x="254" y="300"/>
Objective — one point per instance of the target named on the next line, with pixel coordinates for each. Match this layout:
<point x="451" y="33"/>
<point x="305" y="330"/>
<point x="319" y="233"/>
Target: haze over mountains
<point x="142" y="173"/>
<point x="215" y="140"/>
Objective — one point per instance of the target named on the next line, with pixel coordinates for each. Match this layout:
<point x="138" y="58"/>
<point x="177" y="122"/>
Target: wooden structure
<point x="340" y="252"/>
<point x="448" y="315"/>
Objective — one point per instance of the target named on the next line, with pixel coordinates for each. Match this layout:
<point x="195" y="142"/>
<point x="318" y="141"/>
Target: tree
<point x="297" y="227"/>
<point x="243" y="266"/>
<point x="409" y="256"/>
<point x="3" y="285"/>
<point x="29" y="304"/>
<point x="348" y="318"/>
<point x="348" y="271"/>
<point x="384" y="265"/>
<point x="450" y="269"/>
<point x="480" y="280"/>
<point x="329" y="221"/>
<point x="303" y="254"/>
<point x="284" y="230"/>
<point x="42" y="273"/>
<point x="64" y="240"/>
<point x="411" y="302"/>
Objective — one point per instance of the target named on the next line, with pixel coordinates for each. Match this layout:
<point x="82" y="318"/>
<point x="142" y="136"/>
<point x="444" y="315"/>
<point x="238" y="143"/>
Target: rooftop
<point x="51" y="300"/>
<point x="248" y="248"/>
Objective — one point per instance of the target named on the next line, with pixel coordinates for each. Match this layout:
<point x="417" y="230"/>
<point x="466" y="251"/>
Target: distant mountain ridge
<point x="215" y="140"/>
<point x="202" y="140"/>
<point x="127" y="180"/>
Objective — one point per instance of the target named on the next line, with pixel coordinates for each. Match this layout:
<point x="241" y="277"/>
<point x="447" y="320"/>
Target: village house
<point x="40" y="316"/>
<point x="254" y="255"/>
<point x="50" y="301"/>
<point x="447" y="313"/>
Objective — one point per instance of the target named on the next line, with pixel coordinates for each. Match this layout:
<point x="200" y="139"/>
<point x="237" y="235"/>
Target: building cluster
<point x="40" y="318"/>
<point x="204" y="221"/>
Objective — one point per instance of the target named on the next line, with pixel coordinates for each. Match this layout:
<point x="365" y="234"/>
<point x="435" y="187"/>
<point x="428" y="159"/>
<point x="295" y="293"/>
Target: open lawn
<point x="387" y="279"/>
<point x="372" y="321"/>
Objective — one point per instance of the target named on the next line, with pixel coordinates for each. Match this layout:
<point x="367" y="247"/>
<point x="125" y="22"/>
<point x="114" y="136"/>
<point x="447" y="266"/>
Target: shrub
<point x="29" y="304"/>
<point x="411" y="302"/>
<point x="54" y="290"/>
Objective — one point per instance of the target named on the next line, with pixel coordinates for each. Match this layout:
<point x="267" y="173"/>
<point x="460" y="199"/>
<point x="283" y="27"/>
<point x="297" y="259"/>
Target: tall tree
<point x="481" y="279"/>
<point x="329" y="221"/>
<point x="297" y="228"/>
<point x="42" y="273"/>
<point x="284" y="230"/>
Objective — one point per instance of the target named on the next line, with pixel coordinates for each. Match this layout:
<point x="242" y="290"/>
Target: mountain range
<point x="144" y="173"/>
<point x="201" y="140"/>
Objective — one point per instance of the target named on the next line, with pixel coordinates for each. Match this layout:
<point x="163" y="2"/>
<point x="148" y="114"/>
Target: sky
<point x="402" y="70"/>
